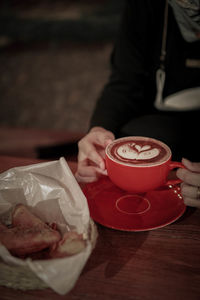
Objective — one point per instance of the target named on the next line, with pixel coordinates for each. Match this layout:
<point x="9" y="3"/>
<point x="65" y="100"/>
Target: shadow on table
<point x="188" y="213"/>
<point x="115" y="248"/>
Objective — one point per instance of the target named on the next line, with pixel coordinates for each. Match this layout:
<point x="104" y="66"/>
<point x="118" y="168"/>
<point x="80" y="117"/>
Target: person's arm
<point x="124" y="95"/>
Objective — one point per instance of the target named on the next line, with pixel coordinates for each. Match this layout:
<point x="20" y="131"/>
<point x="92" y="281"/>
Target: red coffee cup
<point x="139" y="164"/>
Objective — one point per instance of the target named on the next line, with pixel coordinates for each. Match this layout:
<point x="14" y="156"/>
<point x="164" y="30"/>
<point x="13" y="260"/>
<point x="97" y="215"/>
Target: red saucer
<point x="114" y="208"/>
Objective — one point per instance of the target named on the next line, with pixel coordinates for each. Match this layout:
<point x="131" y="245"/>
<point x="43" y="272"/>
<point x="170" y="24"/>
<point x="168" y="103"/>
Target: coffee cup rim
<point x="164" y="160"/>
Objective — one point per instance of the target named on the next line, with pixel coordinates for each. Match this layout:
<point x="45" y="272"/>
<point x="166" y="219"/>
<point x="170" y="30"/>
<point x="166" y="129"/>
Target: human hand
<point x="91" y="154"/>
<point x="190" y="187"/>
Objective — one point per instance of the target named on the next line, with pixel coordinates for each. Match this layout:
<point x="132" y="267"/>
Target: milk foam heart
<point x="138" y="151"/>
<point x="135" y="151"/>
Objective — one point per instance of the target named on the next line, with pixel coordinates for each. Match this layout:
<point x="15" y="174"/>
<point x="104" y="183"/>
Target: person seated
<point x="153" y="89"/>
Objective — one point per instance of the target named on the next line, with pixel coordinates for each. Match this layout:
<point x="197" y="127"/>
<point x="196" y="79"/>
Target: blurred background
<point x="54" y="60"/>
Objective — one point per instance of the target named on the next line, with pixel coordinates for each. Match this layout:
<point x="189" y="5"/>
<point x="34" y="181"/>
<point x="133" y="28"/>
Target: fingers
<point x="87" y="173"/>
<point x="192" y="202"/>
<point x="90" y="178"/>
<point x="107" y="133"/>
<point x="91" y="154"/>
<point x="88" y="146"/>
<point x="85" y="169"/>
<point x="189" y="177"/>
<point x="192" y="166"/>
<point x="85" y="179"/>
<point x="102" y="138"/>
<point x="87" y="151"/>
<point x="189" y="190"/>
<point x="190" y="194"/>
<point x="191" y="183"/>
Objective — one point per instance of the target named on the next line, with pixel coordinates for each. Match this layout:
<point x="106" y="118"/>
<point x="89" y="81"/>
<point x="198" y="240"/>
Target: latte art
<point x="138" y="151"/>
<point x="135" y="151"/>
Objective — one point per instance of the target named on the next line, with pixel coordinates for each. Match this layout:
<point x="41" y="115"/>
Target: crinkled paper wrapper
<point x="54" y="195"/>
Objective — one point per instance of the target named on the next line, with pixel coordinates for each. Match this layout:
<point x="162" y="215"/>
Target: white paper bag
<point x="53" y="194"/>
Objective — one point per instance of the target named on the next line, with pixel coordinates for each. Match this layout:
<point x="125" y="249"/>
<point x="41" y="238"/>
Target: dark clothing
<point x="126" y="106"/>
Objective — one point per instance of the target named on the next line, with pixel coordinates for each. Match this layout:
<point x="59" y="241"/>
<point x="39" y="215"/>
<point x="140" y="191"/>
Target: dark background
<point x="54" y="60"/>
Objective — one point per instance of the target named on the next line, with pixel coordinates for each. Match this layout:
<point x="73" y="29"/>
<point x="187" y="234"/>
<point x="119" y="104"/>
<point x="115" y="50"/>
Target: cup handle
<point x="174" y="165"/>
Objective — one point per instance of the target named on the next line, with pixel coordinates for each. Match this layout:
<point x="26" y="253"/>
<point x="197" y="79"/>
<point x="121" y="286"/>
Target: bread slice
<point x="29" y="234"/>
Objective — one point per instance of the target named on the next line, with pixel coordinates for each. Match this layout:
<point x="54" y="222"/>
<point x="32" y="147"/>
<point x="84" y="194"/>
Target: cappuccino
<point x="140" y="151"/>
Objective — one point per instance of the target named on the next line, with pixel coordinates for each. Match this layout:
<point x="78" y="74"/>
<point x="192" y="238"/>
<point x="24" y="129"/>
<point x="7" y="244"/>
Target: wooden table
<point x="159" y="264"/>
<point x="37" y="143"/>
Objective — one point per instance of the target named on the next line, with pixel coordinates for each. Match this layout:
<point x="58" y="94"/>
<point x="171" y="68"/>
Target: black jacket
<point x="131" y="89"/>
